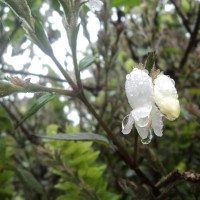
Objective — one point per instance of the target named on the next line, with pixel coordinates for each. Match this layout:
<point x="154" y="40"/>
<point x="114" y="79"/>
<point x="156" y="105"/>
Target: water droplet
<point x="142" y="122"/>
<point x="131" y="95"/>
<point x="148" y="139"/>
<point x="128" y="76"/>
<point x="125" y="121"/>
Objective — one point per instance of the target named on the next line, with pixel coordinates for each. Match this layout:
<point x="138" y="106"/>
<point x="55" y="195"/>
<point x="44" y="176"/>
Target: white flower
<point x="143" y="95"/>
<point x="94" y="5"/>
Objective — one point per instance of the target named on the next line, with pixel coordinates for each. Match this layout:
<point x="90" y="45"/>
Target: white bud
<point x="166" y="97"/>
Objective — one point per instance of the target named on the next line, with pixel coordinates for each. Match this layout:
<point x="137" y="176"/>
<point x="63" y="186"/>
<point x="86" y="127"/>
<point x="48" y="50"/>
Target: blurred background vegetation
<point x="32" y="168"/>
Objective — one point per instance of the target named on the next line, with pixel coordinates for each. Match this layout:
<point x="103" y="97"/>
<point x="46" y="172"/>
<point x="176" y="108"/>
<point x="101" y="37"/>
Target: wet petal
<point x="149" y="137"/>
<point x="143" y="131"/>
<point x="127" y="124"/>
<point x="166" y="97"/>
<point x="141" y="115"/>
<point x="139" y="88"/>
<point x="157" y="123"/>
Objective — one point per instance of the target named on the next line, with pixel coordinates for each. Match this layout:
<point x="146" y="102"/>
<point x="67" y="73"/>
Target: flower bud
<point x="166" y="97"/>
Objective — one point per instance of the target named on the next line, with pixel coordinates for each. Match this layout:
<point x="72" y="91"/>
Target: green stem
<point x="30" y="87"/>
<point x="65" y="74"/>
<point x="76" y="68"/>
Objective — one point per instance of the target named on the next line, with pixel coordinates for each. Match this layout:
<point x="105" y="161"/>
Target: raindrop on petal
<point x="128" y="76"/>
<point x="148" y="139"/>
<point x="127" y="124"/>
<point x="125" y="121"/>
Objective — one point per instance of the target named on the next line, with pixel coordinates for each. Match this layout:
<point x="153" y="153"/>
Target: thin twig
<point x="22" y="127"/>
<point x="135" y="155"/>
<point x="183" y="18"/>
<point x="188" y="176"/>
<point x="32" y="74"/>
<point x="65" y="74"/>
<point x="192" y="41"/>
<point x="30" y="87"/>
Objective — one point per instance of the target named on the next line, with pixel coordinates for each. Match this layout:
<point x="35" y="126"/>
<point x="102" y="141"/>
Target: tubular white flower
<point x="143" y="96"/>
<point x="166" y="97"/>
<point x="94" y="5"/>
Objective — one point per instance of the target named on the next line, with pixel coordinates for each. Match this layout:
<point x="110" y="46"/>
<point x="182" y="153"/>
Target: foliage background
<point x="31" y="168"/>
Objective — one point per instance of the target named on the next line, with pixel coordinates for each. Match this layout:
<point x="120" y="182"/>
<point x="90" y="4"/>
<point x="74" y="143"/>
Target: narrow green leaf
<point x="126" y="3"/>
<point x="150" y="61"/>
<point x="21" y="9"/>
<point x="29" y="180"/>
<point x="77" y="137"/>
<point x="37" y="105"/>
<point x="86" y="62"/>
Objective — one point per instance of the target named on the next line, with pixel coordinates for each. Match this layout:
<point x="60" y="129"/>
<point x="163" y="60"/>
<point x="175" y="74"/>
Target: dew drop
<point x="128" y="76"/>
<point x="125" y="121"/>
<point x="148" y="139"/>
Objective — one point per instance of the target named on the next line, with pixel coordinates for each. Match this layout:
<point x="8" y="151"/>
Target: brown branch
<point x="130" y="45"/>
<point x="188" y="176"/>
<point x="192" y="41"/>
<point x="183" y="18"/>
<point x="171" y="177"/>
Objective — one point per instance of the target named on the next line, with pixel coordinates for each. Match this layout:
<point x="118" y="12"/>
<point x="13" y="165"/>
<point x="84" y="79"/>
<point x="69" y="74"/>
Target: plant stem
<point x="65" y="74"/>
<point x="135" y="148"/>
<point x="76" y="68"/>
<point x="30" y="87"/>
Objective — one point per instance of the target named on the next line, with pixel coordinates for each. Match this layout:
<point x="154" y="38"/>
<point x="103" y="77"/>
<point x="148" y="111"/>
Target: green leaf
<point x="86" y="62"/>
<point x="21" y="9"/>
<point x="77" y="137"/>
<point x="37" y="105"/>
<point x="29" y="180"/>
<point x="150" y="61"/>
<point x="130" y="4"/>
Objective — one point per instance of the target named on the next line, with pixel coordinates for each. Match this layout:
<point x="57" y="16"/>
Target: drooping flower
<point x="150" y="100"/>
<point x="94" y="5"/>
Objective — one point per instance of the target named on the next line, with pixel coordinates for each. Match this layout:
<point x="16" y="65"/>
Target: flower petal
<point x="141" y="115"/>
<point x="127" y="124"/>
<point x="143" y="131"/>
<point x="157" y="123"/>
<point x="139" y="88"/>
